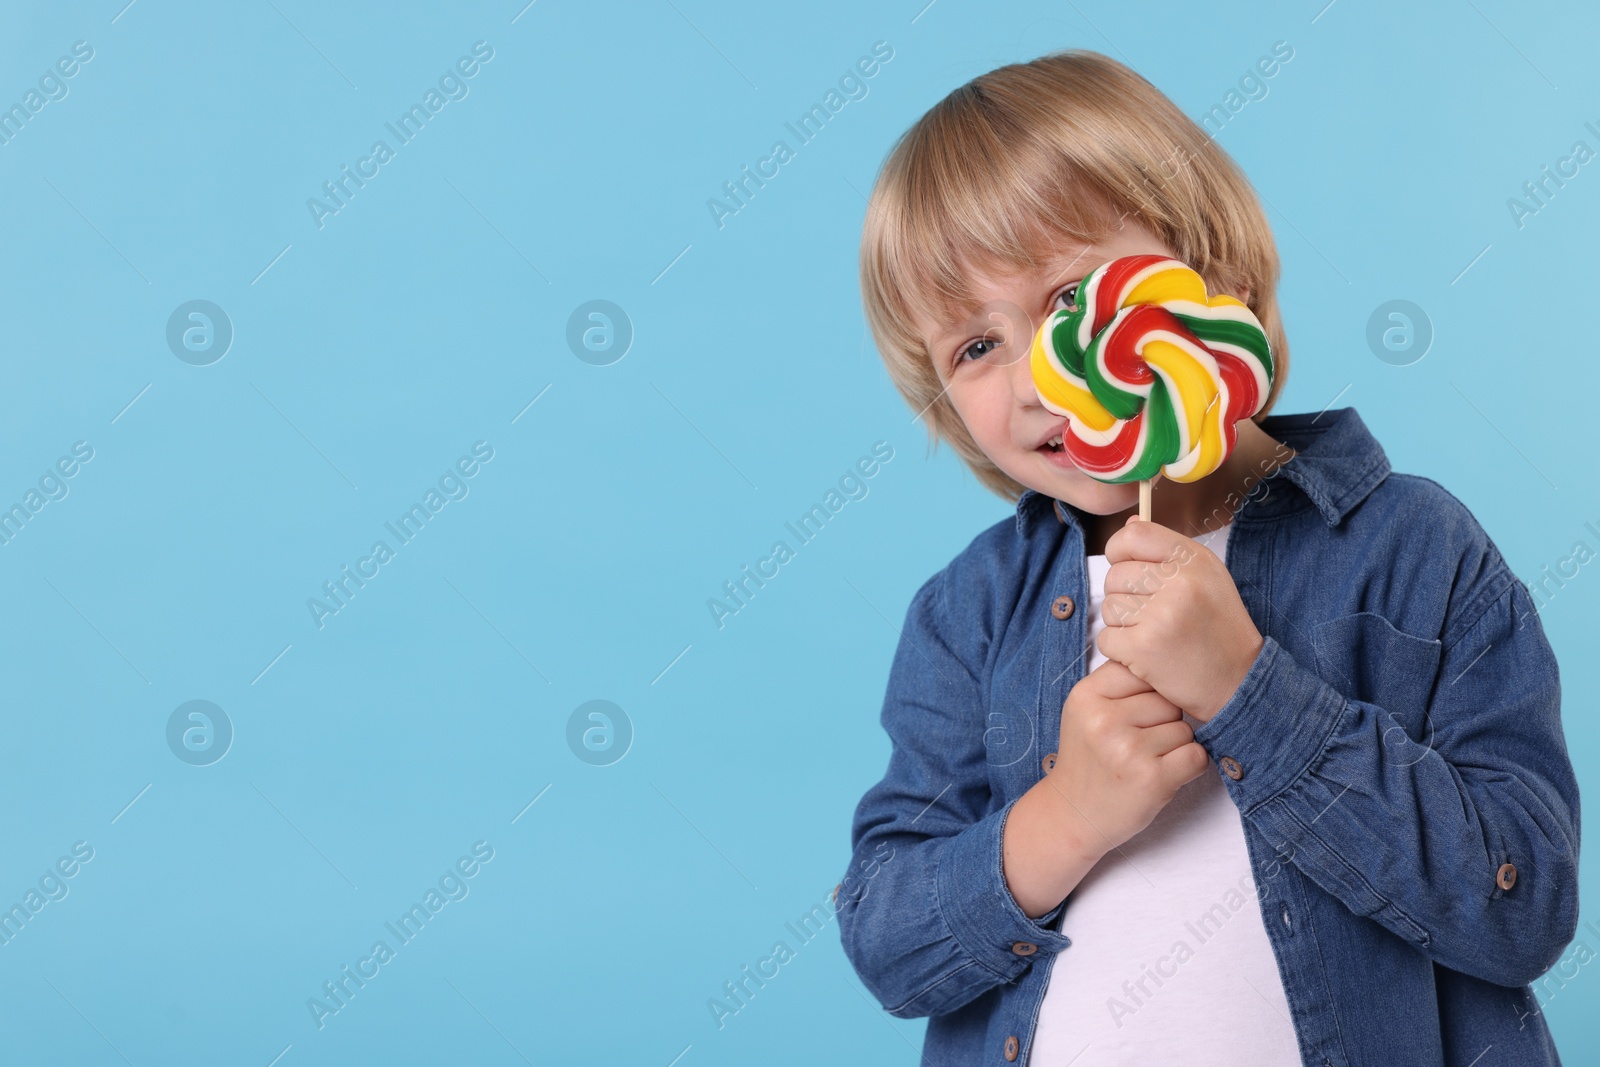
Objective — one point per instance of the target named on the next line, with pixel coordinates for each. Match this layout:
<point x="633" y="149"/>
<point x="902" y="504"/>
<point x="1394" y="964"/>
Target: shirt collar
<point x="1337" y="464"/>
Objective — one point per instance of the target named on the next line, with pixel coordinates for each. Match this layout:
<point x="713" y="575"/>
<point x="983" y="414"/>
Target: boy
<point x="1308" y="680"/>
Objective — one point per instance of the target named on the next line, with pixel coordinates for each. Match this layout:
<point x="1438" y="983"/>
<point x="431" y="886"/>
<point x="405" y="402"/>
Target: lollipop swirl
<point x="1151" y="373"/>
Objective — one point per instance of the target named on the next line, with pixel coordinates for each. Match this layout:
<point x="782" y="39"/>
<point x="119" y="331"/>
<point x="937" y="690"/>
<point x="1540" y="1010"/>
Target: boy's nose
<point x="1021" y="370"/>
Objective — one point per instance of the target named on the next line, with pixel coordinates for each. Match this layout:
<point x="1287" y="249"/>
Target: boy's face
<point x="984" y="366"/>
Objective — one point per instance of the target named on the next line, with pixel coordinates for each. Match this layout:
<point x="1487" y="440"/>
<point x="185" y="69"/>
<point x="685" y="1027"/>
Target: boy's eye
<point x="1068" y="297"/>
<point x="978" y="349"/>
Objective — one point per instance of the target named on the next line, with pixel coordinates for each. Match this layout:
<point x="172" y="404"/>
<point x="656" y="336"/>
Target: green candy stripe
<point x="1212" y="332"/>
<point x="1064" y="343"/>
<point x="1161" y="434"/>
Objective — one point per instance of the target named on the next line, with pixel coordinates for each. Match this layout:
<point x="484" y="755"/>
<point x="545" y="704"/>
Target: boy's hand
<point x="1174" y="617"/>
<point x="1123" y="753"/>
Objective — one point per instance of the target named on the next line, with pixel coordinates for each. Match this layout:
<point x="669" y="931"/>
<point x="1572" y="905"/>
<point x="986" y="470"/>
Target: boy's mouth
<point x="1055" y="454"/>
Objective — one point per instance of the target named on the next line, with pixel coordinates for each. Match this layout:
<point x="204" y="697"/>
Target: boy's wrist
<point x="1081" y="839"/>
<point x="1246" y="659"/>
<point x="1049" y="847"/>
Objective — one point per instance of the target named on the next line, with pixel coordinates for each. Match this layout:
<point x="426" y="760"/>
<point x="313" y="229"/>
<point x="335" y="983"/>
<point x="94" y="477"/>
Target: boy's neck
<point x="1194" y="508"/>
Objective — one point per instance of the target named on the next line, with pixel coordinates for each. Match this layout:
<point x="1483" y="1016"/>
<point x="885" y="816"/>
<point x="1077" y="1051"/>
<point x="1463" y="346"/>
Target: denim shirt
<point x="1395" y="753"/>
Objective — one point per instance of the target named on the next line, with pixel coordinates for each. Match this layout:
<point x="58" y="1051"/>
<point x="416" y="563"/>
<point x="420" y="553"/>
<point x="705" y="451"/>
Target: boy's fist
<point x="1174" y="618"/>
<point x="1123" y="754"/>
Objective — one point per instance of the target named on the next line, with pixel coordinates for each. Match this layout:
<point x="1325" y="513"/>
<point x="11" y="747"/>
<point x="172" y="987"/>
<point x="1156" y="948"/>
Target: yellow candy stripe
<point x="1063" y="392"/>
<point x="1165" y="283"/>
<point x="1196" y="390"/>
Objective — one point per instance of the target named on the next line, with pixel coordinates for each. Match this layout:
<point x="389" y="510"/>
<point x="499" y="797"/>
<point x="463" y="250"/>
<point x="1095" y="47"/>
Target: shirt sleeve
<point x="1464" y="840"/>
<point x="924" y="912"/>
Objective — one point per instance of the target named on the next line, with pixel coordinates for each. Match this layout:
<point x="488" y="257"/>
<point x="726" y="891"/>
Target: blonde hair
<point x="1064" y="146"/>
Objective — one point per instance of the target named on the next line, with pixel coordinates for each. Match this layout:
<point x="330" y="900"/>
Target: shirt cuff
<point x="1272" y="728"/>
<point x="978" y="908"/>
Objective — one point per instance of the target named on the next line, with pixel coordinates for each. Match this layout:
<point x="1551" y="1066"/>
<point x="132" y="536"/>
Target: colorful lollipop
<point x="1151" y="373"/>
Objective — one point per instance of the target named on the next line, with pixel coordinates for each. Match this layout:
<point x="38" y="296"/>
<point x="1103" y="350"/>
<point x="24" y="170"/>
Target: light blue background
<point x="427" y="314"/>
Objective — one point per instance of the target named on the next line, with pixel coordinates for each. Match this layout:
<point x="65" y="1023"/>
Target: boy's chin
<point x="1091" y="496"/>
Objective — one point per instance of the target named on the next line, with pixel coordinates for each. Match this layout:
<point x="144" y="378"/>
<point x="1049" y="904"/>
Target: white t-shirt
<point x="1169" y="961"/>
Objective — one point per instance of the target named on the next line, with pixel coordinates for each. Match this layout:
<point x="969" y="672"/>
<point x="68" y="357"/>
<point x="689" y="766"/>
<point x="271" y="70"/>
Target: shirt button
<point x="1048" y="763"/>
<point x="1506" y="877"/>
<point x="1231" y="768"/>
<point x="1024" y="948"/>
<point x="1011" y="1047"/>
<point x="1061" y="607"/>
